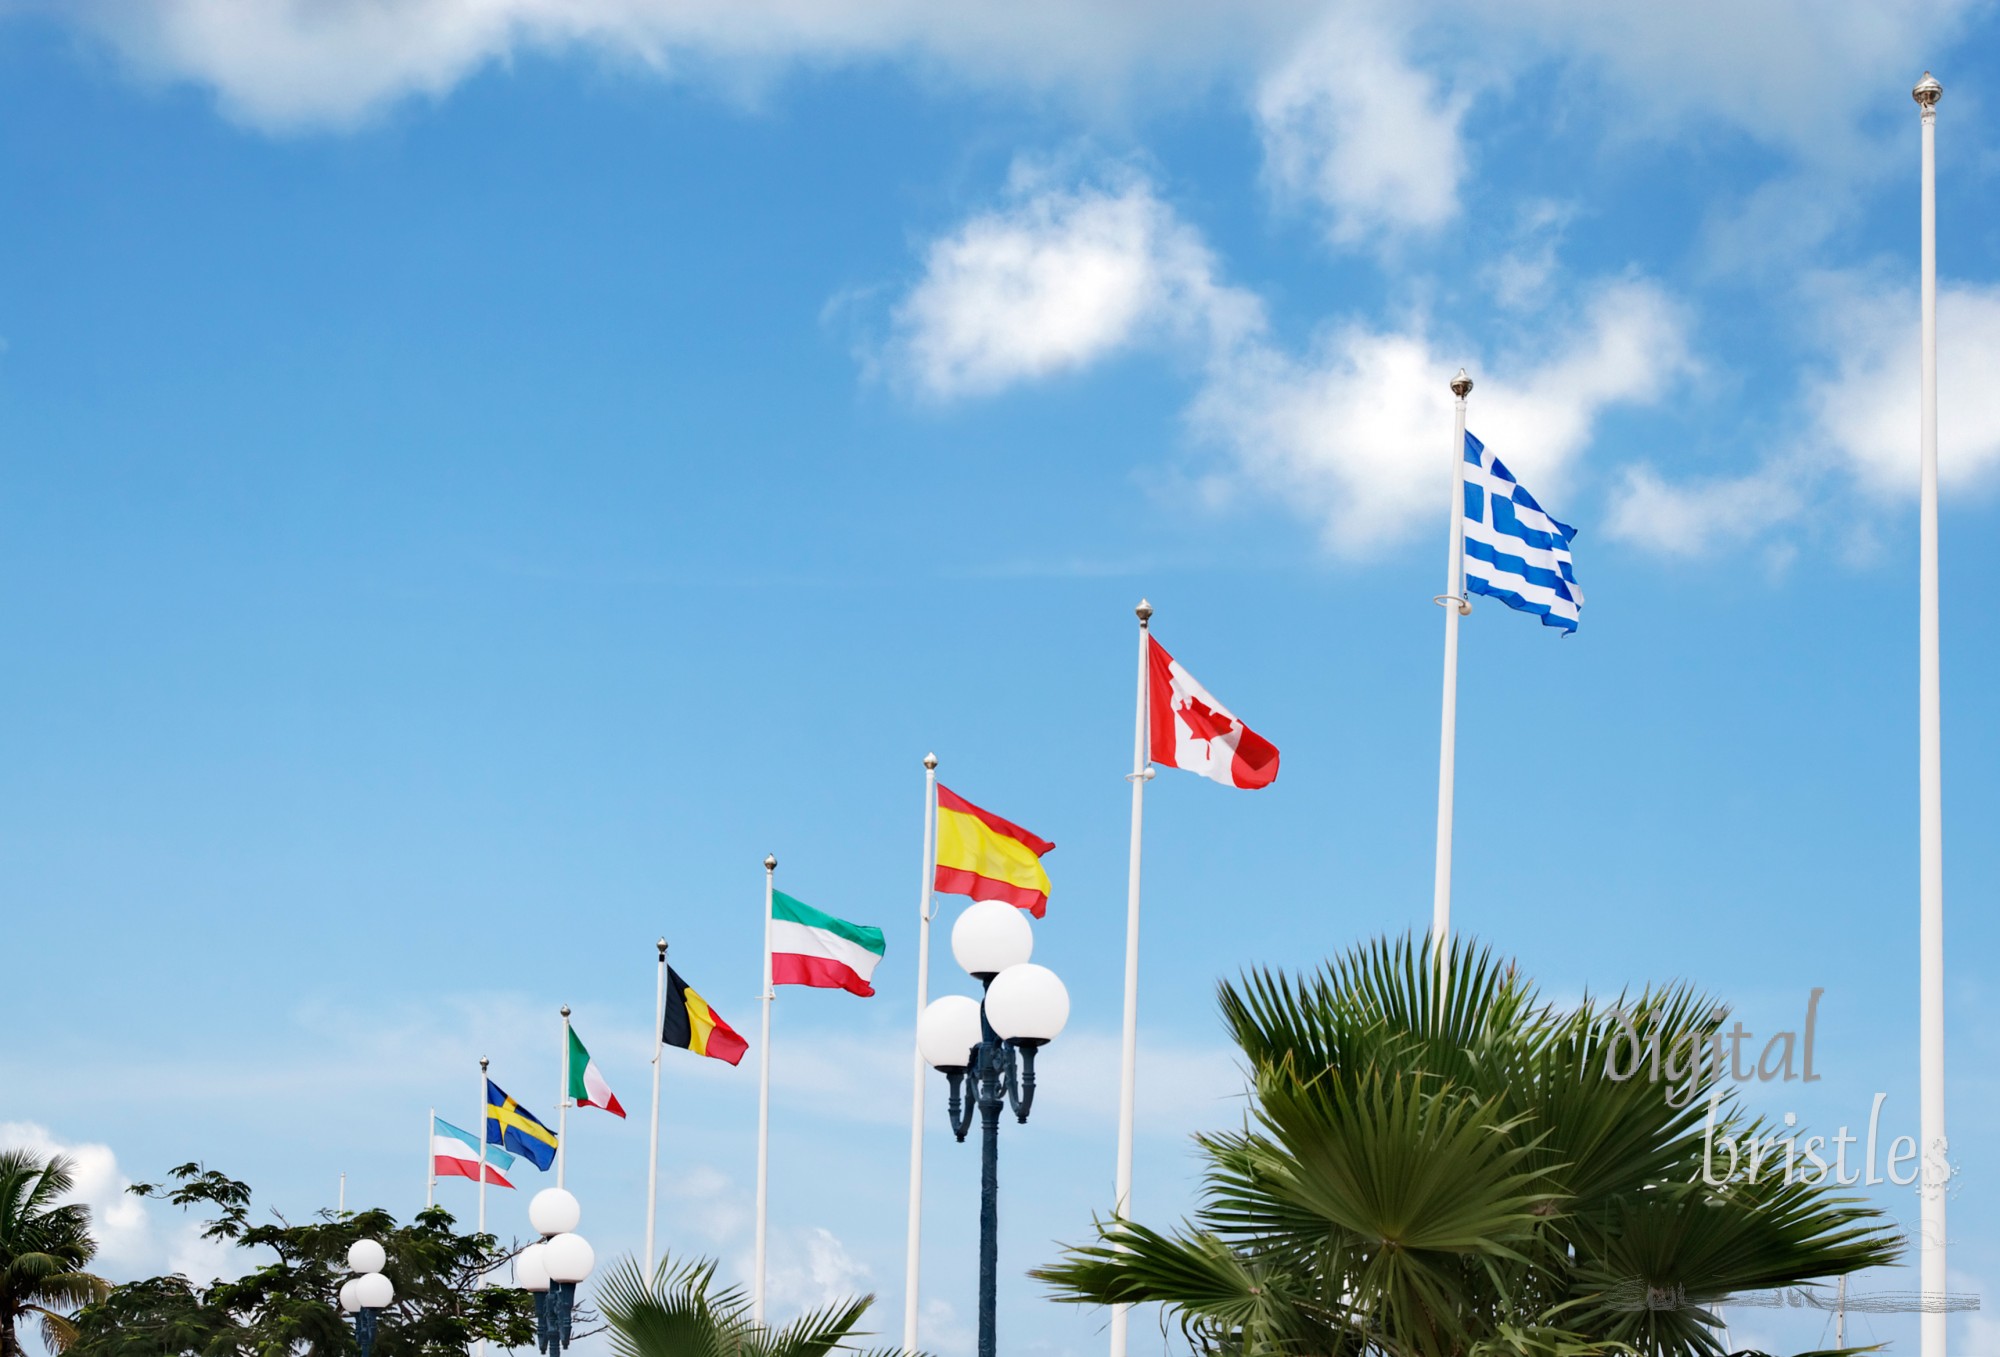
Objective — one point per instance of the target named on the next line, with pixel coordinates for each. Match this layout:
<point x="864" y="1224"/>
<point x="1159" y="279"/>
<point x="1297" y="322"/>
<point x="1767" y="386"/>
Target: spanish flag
<point x="693" y="1026"/>
<point x="988" y="858"/>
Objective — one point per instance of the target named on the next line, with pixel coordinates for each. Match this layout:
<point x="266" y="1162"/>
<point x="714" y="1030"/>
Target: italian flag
<point x="586" y="1081"/>
<point x="811" y="948"/>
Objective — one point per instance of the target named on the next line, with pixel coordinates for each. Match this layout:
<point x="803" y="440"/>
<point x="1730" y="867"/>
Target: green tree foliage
<point x="679" y="1311"/>
<point x="45" y="1246"/>
<point x="289" y="1299"/>
<point x="1459" y="1176"/>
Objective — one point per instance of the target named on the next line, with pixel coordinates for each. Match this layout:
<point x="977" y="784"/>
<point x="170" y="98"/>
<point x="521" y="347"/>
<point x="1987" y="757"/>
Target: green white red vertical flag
<point x="587" y="1086"/>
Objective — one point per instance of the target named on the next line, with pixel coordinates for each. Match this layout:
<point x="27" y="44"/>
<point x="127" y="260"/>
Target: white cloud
<point x="1181" y="1088"/>
<point x="1801" y="74"/>
<point x="1859" y="417"/>
<point x="1523" y="278"/>
<point x="307" y="63"/>
<point x="1979" y="1330"/>
<point x="1350" y="118"/>
<point x="812" y="1268"/>
<point x="118" y="1219"/>
<point x="1351" y="434"/>
<point x="1786" y="219"/>
<point x="1823" y="82"/>
<point x="1686" y="520"/>
<point x="1349" y="123"/>
<point x="804" y="1269"/>
<point x="1354" y="435"/>
<point x="1185" y="1087"/>
<point x="1362" y="109"/>
<point x="1865" y="408"/>
<point x="1055" y="279"/>
<point x="129" y="1244"/>
<point x="711" y="1203"/>
<point x="939" y="1329"/>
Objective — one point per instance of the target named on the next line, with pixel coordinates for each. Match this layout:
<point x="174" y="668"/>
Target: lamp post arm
<point x="1021" y="1078"/>
<point x="959" y="1107"/>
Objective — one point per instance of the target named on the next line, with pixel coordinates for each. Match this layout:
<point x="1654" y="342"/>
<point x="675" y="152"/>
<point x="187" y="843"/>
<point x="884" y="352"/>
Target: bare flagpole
<point x="913" y="1246"/>
<point x="430" y="1161"/>
<point x="562" y="1103"/>
<point x="1930" y="796"/>
<point x="1455" y="605"/>
<point x="764" y="1105"/>
<point x="653" y="1140"/>
<point x="1128" y="1065"/>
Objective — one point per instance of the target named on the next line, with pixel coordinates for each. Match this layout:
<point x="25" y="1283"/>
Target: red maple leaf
<point x="1203" y="721"/>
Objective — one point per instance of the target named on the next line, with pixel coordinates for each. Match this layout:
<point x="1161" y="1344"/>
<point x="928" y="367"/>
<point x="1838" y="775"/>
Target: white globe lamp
<point x="531" y="1268"/>
<point x="374" y="1291"/>
<point x="348" y="1300"/>
<point x="554" y="1212"/>
<point x="991" y="936"/>
<point x="570" y="1258"/>
<point x="365" y="1255"/>
<point x="948" y="1030"/>
<point x="1027" y="1004"/>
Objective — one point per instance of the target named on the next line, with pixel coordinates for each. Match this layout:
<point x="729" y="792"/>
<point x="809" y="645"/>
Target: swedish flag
<point x="513" y="1127"/>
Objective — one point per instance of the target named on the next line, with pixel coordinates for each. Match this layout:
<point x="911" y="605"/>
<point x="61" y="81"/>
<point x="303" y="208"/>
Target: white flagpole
<point x="653" y="1141"/>
<point x="562" y="1103"/>
<point x="1936" y="1166"/>
<point x="764" y="1106"/>
<point x="1128" y="1065"/>
<point x="481" y="1124"/>
<point x="912" y="1248"/>
<point x="430" y="1161"/>
<point x="342" y="1208"/>
<point x="1455" y="606"/>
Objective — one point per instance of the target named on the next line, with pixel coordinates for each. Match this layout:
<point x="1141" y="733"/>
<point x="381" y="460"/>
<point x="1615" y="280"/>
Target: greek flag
<point x="1514" y="551"/>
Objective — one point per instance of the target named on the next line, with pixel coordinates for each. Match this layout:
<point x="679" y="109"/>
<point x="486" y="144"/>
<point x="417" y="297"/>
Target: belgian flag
<point x="693" y="1026"/>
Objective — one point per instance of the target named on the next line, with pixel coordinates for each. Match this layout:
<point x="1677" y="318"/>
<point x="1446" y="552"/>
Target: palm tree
<point x="44" y="1248"/>
<point x="1450" y="1170"/>
<point x="680" y="1312"/>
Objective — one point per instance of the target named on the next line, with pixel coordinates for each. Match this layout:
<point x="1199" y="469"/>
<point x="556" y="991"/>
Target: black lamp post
<point x="366" y="1296"/>
<point x="986" y="1051"/>
<point x="552" y="1268"/>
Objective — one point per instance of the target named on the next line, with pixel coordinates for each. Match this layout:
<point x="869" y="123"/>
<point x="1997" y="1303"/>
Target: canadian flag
<point x="1191" y="730"/>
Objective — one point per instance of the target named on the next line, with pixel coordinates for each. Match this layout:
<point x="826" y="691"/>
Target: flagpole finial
<point x="770" y="862"/>
<point x="483" y="1062"/>
<point x="565" y="1010"/>
<point x="1145" y="612"/>
<point x="1928" y="92"/>
<point x="1461" y="385"/>
<point x="930" y="762"/>
<point x="662" y="945"/>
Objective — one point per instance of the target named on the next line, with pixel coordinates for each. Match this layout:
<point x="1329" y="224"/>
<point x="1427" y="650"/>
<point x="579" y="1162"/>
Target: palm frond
<point x="818" y="1332"/>
<point x="680" y="1311"/>
<point x="1222" y="1296"/>
<point x="1436" y="1163"/>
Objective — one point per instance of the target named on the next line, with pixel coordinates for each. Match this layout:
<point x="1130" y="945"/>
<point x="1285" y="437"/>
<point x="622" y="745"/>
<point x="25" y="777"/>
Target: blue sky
<point x="478" y="477"/>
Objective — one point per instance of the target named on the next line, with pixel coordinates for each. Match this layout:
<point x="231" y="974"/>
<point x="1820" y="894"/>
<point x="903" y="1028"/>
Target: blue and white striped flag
<point x="1514" y="551"/>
